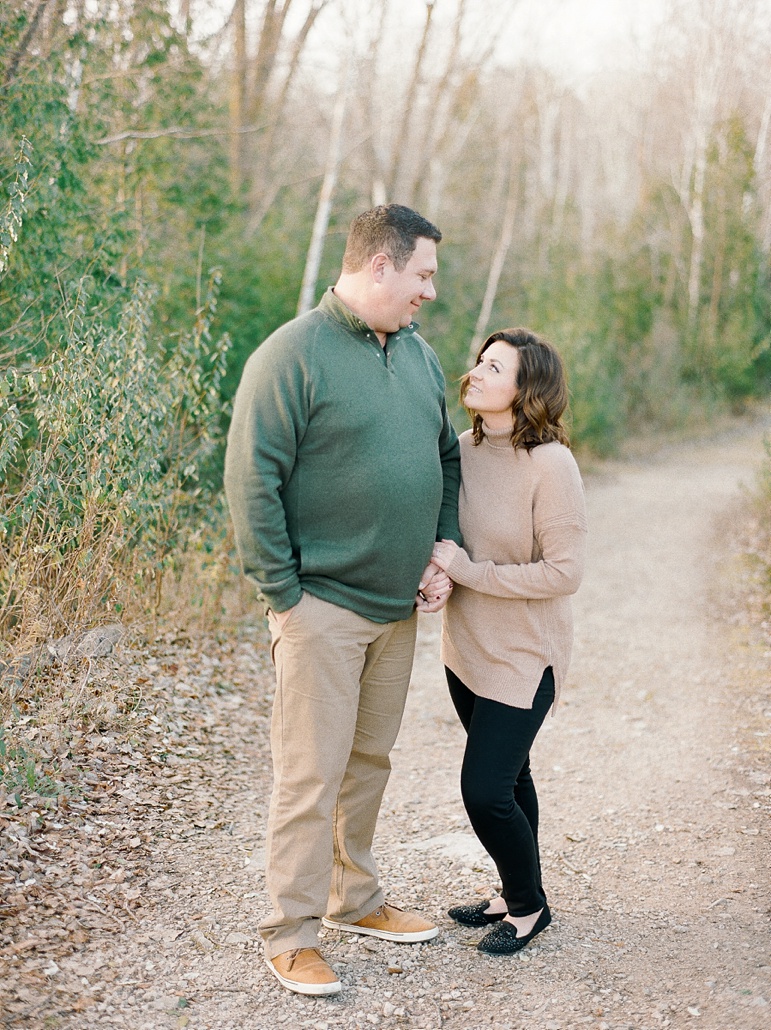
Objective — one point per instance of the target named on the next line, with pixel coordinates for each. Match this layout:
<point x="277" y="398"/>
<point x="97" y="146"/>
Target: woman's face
<point x="492" y="384"/>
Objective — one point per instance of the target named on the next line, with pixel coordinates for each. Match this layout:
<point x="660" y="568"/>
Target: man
<point x="342" y="469"/>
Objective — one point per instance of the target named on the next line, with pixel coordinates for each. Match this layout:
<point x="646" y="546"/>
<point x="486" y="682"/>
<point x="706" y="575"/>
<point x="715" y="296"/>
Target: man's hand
<point x="282" y="617"/>
<point x="434" y="590"/>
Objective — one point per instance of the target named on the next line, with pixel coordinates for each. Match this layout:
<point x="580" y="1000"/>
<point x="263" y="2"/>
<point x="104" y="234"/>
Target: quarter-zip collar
<point x="331" y="305"/>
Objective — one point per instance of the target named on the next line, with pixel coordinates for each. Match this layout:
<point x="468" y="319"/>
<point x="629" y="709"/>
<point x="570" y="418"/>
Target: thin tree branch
<point x="321" y="221"/>
<point x="177" y="132"/>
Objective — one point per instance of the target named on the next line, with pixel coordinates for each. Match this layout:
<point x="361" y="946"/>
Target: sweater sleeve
<point x="449" y="455"/>
<point x="559" y="530"/>
<point x="270" y="414"/>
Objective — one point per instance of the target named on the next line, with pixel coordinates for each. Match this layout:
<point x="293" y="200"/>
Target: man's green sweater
<point x="342" y="466"/>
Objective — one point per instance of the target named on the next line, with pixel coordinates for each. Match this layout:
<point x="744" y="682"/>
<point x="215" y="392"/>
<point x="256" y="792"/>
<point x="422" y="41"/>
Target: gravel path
<point x="655" y="792"/>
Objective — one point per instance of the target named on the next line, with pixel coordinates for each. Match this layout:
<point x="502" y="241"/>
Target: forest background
<point x="178" y="181"/>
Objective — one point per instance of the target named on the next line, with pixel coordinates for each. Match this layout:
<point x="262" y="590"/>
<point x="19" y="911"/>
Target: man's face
<point x="402" y="293"/>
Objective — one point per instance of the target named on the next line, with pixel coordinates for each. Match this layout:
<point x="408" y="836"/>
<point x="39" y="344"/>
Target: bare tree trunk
<point x="438" y="112"/>
<point x="440" y="102"/>
<point x="273" y="18"/>
<point x="263" y="190"/>
<point x="266" y="58"/>
<point x="400" y="153"/>
<point x="711" y="81"/>
<point x="441" y="162"/>
<point x="139" y="217"/>
<point x="453" y="109"/>
<point x="313" y="260"/>
<point x="499" y="259"/>
<point x="717" y="276"/>
<point x="297" y="48"/>
<point x="21" y="50"/>
<point x="237" y="88"/>
<point x="378" y="156"/>
<point x="564" y="160"/>
<point x="695" y="213"/>
<point x="763" y="178"/>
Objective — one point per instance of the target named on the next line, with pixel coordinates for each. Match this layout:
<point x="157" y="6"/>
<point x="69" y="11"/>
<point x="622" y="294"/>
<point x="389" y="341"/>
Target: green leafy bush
<point x="102" y="445"/>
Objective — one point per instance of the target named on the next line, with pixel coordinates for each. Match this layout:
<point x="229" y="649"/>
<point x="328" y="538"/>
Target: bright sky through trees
<point x="576" y="37"/>
<point x="572" y="38"/>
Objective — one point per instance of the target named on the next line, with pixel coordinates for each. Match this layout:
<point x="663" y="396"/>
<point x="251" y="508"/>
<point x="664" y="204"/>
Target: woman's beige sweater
<point x="523" y="520"/>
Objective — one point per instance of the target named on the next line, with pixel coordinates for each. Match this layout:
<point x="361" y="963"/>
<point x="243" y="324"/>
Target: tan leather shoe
<point x="304" y="971"/>
<point x="390" y="923"/>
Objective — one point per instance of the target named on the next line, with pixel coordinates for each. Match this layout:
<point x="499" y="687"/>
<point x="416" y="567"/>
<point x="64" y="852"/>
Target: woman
<point x="507" y="628"/>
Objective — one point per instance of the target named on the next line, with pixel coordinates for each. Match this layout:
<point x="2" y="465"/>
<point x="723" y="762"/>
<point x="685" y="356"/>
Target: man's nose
<point x="429" y="291"/>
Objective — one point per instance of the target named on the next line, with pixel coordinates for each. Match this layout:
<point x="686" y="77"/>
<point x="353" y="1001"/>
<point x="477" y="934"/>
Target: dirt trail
<point x="655" y="790"/>
<point x="655" y="817"/>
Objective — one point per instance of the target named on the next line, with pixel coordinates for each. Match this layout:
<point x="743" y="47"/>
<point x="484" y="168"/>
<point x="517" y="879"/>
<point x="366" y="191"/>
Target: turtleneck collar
<point x="500" y="439"/>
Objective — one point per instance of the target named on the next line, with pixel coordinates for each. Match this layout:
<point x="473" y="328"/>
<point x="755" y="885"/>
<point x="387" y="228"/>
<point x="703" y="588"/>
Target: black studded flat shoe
<point x="503" y="940"/>
<point x="475" y="915"/>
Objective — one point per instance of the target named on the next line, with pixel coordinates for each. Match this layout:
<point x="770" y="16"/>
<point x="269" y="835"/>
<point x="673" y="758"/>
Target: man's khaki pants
<point x="341" y="687"/>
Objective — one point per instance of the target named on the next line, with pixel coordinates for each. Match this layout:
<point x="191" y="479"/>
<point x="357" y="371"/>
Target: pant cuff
<point x="304" y="936"/>
<point x="376" y="901"/>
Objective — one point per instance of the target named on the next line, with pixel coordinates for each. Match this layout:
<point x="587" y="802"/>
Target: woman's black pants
<point x="498" y="790"/>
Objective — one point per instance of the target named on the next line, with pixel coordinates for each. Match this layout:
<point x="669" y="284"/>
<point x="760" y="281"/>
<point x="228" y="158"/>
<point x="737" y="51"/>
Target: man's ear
<point x="378" y="266"/>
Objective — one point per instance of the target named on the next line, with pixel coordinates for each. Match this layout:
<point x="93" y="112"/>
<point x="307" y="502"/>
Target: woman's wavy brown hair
<point x="542" y="391"/>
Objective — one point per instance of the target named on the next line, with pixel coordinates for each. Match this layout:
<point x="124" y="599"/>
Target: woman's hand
<point x="444" y="552"/>
<point x="434" y="590"/>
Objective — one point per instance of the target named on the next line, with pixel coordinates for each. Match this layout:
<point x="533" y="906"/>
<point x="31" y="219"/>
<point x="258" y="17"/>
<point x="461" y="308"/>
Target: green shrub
<point x="101" y="450"/>
<point x="102" y="446"/>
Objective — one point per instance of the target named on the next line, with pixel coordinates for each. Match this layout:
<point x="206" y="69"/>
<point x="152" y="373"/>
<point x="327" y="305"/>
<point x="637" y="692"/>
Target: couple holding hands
<point x="355" y="506"/>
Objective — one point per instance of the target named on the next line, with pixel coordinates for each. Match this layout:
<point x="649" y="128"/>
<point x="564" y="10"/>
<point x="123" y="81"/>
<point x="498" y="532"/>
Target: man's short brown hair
<point x="390" y="229"/>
